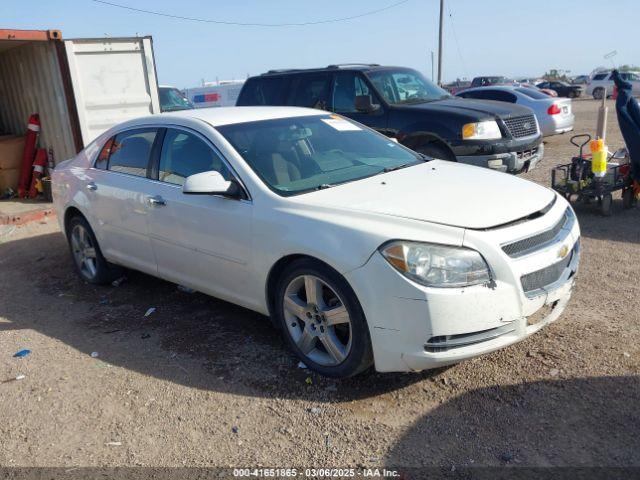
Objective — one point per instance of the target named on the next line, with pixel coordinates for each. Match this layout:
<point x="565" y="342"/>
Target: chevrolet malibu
<point x="360" y="250"/>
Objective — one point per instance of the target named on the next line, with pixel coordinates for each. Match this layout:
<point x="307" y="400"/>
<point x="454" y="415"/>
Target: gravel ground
<point x="200" y="382"/>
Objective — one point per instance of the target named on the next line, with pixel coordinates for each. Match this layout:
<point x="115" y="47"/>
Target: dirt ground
<point x="200" y="382"/>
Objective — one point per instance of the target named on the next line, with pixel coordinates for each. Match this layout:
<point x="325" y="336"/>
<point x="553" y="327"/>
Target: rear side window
<point x="130" y="152"/>
<point x="262" y="91"/>
<point x="600" y="76"/>
<point x="312" y="91"/>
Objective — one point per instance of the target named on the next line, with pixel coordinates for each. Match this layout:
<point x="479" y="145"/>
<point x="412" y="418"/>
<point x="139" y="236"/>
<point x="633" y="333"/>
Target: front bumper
<point x="413" y="327"/>
<point x="511" y="162"/>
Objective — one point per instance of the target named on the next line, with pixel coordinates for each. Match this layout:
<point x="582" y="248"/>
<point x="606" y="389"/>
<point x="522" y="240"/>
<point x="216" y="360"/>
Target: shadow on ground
<point x="622" y="226"/>
<point x="582" y="422"/>
<point x="190" y="339"/>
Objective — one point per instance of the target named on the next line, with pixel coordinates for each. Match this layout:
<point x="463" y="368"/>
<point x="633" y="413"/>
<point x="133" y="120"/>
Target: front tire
<point x="598" y="93"/>
<point x="437" y="151"/>
<point x="322" y="320"/>
<point x="86" y="254"/>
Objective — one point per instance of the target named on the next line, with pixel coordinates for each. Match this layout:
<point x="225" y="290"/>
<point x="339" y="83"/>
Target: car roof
<point x="217" y="116"/>
<point x="360" y="67"/>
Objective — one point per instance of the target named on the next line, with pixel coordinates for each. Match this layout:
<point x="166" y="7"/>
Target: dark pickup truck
<point x="402" y="104"/>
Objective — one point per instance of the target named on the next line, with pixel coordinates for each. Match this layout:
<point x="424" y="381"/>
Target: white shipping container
<point x="79" y="87"/>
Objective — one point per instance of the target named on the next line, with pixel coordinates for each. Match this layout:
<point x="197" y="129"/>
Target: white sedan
<point x="361" y="251"/>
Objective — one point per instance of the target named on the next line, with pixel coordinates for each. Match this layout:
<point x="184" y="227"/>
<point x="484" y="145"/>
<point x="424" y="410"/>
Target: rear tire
<point x="86" y="254"/>
<point x="605" y="204"/>
<point x="322" y="320"/>
<point x="437" y="151"/>
<point x="627" y="198"/>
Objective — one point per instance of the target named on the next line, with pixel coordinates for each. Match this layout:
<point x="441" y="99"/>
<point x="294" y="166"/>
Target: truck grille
<point x="531" y="244"/>
<point x="546" y="277"/>
<point x="522" y="126"/>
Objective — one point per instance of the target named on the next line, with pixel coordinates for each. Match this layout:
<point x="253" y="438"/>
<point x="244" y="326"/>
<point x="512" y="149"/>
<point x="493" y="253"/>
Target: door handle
<point x="156" y="201"/>
<point x="92" y="186"/>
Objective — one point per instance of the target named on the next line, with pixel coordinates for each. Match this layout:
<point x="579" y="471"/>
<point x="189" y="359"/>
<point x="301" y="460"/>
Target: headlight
<point x="437" y="265"/>
<point x="487" y="130"/>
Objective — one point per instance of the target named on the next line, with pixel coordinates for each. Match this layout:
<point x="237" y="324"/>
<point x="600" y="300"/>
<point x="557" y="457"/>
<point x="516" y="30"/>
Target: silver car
<point x="554" y="114"/>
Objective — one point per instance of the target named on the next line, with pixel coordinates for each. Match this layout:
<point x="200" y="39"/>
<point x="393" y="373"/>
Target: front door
<point x="201" y="241"/>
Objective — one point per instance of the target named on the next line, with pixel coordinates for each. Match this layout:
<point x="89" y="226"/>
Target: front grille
<point x="523" y="126"/>
<point x="545" y="277"/>
<point x="527" y="245"/>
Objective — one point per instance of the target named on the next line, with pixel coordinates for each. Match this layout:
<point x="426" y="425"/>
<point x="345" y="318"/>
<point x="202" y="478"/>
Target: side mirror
<point x="211" y="183"/>
<point x="364" y="104"/>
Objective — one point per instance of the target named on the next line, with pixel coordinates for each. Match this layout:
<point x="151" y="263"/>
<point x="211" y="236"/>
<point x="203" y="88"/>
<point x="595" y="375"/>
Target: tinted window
<point x="103" y="156"/>
<point x="185" y="154"/>
<point x="311" y="91"/>
<point x="130" y="152"/>
<point x="475" y="94"/>
<point x="262" y="91"/>
<point x="600" y="76"/>
<point x="172" y="99"/>
<point x="347" y="86"/>
<point x="532" y="93"/>
<point x="500" y="96"/>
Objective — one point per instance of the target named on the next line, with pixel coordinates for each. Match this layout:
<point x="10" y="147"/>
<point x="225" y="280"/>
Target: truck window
<point x="311" y="91"/>
<point x="347" y="86"/>
<point x="262" y="91"/>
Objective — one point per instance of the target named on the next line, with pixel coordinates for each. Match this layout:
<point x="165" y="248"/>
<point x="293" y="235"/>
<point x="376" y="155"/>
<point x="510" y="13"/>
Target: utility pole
<point x="440" y="42"/>
<point x="433" y="66"/>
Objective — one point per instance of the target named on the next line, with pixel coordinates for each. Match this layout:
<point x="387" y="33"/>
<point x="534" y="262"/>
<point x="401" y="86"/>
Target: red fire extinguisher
<point x="27" y="155"/>
<point x="38" y="171"/>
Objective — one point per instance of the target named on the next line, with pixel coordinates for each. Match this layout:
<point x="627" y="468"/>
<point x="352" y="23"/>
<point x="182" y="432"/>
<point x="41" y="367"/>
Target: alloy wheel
<point x="84" y="252"/>
<point x="317" y="320"/>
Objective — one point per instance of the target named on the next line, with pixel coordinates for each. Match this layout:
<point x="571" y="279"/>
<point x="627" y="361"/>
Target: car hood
<point x="440" y="192"/>
<point x="465" y="106"/>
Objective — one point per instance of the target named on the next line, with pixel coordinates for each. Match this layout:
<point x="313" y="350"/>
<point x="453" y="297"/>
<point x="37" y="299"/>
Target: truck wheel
<point x="598" y="93"/>
<point x="437" y="151"/>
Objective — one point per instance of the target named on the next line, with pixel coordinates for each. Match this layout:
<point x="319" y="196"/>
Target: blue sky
<point x="493" y="36"/>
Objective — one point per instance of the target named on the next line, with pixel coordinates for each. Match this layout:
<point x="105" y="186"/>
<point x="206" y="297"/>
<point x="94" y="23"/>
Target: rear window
<point x="600" y="76"/>
<point x="531" y="93"/>
<point x="262" y="91"/>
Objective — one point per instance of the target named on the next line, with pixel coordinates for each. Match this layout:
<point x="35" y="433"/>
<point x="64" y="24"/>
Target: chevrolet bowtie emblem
<point x="563" y="252"/>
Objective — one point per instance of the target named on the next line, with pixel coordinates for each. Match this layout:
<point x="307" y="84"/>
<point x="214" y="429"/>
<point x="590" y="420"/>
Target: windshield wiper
<point x="398" y="167"/>
<point x="322" y="186"/>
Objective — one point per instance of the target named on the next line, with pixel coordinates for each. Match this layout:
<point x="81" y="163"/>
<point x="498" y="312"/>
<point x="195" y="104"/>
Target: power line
<point x="455" y="37"/>
<point x="243" y="24"/>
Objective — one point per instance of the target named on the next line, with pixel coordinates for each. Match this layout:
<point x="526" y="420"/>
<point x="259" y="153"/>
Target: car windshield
<point x="171" y="100"/>
<point x="405" y="86"/>
<point x="302" y="154"/>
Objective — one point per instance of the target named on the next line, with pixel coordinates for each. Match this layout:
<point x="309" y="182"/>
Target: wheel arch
<point x="69" y="213"/>
<point x="417" y="140"/>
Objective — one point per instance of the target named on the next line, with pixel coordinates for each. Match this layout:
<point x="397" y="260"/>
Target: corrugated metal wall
<point x="30" y="82"/>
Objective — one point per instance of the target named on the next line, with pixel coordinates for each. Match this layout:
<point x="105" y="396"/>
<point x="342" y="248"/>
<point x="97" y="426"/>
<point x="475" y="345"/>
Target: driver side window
<point x="184" y="154"/>
<point x="348" y="86"/>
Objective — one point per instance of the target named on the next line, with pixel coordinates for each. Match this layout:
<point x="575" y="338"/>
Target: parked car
<point x="580" y="80"/>
<point x="602" y="83"/>
<point x="546" y="91"/>
<point x="554" y="115"/>
<point x="172" y="99"/>
<point x="490" y="80"/>
<point x="563" y="89"/>
<point x="404" y="105"/>
<point x="360" y="250"/>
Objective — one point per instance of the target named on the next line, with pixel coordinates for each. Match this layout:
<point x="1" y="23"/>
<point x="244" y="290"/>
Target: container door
<point x="113" y="79"/>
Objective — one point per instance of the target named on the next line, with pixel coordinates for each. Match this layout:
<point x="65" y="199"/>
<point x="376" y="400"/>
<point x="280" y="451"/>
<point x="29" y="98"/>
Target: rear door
<point x="119" y="194"/>
<point x="113" y="79"/>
